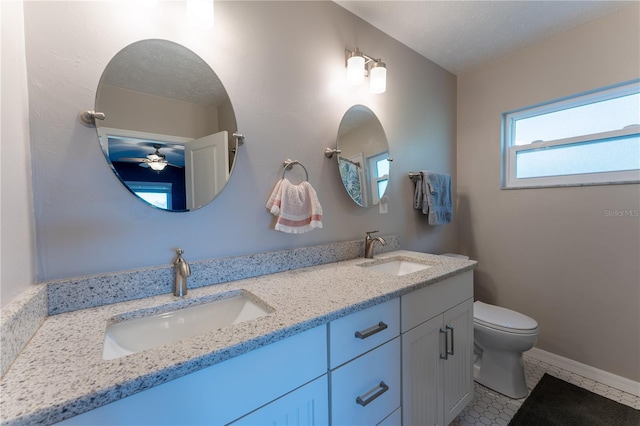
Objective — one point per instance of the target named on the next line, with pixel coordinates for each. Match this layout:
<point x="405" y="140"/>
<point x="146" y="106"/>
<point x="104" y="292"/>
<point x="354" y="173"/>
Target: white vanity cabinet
<point x="405" y="361"/>
<point x="437" y="351"/>
<point x="306" y="406"/>
<point x="294" y="369"/>
<point x="364" y="362"/>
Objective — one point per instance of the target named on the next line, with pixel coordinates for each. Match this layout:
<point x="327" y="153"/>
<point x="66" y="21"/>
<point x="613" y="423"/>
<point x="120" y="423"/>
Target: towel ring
<point x="288" y="165"/>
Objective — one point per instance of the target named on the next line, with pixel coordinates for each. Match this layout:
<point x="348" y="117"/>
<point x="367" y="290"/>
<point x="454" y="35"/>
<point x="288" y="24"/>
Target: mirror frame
<point x="362" y="154"/>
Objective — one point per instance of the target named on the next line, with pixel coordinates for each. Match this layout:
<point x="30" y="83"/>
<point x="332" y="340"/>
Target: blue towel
<point x="433" y="197"/>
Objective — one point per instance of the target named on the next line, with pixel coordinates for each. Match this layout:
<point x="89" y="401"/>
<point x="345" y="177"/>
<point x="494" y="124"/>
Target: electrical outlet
<point x="383" y="205"/>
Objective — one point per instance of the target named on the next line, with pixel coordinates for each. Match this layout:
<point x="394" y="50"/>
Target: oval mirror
<point x="364" y="160"/>
<point x="168" y="126"/>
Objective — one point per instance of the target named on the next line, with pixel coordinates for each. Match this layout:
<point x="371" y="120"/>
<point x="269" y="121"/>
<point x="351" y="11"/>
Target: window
<point x="378" y="166"/>
<point x="155" y="193"/>
<point x="587" y="139"/>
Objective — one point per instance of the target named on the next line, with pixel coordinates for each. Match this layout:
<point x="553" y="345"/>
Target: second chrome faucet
<point x="369" y="242"/>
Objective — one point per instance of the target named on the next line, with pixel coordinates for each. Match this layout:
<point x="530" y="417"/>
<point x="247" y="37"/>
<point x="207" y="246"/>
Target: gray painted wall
<point x="282" y="64"/>
<point x="554" y="253"/>
<point x="18" y="250"/>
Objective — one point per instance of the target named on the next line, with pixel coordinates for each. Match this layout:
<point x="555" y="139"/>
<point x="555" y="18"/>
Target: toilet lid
<point x="502" y="318"/>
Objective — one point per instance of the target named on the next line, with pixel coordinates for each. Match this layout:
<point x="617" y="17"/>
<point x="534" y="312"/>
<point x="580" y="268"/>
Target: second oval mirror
<point x="364" y="161"/>
<point x="168" y="127"/>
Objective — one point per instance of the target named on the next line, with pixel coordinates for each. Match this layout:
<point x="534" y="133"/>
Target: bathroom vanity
<point x="339" y="344"/>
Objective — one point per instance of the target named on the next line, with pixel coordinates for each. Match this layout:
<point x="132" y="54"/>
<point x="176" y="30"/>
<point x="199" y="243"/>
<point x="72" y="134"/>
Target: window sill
<point x="567" y="185"/>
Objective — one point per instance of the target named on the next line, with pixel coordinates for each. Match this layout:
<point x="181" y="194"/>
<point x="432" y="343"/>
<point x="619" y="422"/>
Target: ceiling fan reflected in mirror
<point x="156" y="160"/>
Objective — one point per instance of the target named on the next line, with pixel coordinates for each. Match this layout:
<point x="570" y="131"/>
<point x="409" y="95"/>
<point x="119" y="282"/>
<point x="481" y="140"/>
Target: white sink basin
<point x="133" y="335"/>
<point x="398" y="266"/>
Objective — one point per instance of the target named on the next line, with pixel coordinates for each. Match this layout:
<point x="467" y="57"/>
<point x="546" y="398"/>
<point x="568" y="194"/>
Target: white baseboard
<point x="584" y="370"/>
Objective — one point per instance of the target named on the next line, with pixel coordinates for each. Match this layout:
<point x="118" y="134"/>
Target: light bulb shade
<point x="355" y="68"/>
<point x="200" y="14"/>
<point x="378" y="78"/>
<point x="158" y="165"/>
<point x="148" y="3"/>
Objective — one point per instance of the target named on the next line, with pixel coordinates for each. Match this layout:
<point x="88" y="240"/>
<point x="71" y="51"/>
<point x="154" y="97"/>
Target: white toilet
<point x="500" y="337"/>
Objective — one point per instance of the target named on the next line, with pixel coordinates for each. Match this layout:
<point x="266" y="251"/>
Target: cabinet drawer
<point x="362" y="331"/>
<point x="424" y="304"/>
<point x="307" y="405"/>
<point x="223" y="392"/>
<point x="367" y="389"/>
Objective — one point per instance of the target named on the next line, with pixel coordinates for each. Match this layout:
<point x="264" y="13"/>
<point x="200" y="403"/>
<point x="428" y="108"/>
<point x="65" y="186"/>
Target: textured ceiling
<point x="460" y="35"/>
<point x="166" y="69"/>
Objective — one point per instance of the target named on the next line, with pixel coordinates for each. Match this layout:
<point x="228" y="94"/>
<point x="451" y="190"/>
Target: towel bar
<point x="288" y="165"/>
<point x="414" y="174"/>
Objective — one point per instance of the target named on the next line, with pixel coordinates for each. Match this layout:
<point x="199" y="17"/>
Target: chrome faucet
<point x="183" y="270"/>
<point x="369" y="242"/>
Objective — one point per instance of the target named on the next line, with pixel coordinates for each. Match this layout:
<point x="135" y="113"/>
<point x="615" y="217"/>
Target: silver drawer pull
<point x="379" y="390"/>
<point x="371" y="330"/>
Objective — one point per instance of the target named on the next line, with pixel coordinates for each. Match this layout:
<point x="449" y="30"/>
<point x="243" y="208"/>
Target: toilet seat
<point x="503" y="319"/>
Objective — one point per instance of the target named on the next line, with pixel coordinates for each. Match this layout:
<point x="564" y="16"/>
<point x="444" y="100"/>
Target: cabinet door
<point x="308" y="405"/>
<point x="422" y="374"/>
<point x="458" y="368"/>
<point x="431" y="301"/>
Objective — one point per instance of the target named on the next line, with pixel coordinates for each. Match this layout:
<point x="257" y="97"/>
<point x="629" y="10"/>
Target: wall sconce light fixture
<point x="200" y="14"/>
<point x="360" y="65"/>
<point x="147" y="3"/>
<point x="355" y="67"/>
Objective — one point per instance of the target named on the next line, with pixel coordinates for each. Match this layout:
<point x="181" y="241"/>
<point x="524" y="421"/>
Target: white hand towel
<point x="296" y="207"/>
<point x="272" y="206"/>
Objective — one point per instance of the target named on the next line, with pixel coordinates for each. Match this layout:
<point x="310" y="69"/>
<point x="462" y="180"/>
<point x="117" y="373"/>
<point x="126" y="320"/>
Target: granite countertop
<point x="61" y="372"/>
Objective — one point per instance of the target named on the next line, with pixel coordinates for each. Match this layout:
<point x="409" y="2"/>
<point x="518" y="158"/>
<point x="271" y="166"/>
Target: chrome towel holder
<point x="288" y="165"/>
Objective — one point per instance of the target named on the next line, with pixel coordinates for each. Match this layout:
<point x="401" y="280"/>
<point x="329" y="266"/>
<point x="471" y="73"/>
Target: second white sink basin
<point x="133" y="335"/>
<point x="398" y="266"/>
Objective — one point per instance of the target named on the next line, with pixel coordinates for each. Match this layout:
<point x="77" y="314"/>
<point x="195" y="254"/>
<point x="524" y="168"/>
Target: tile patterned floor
<point x="490" y="408"/>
